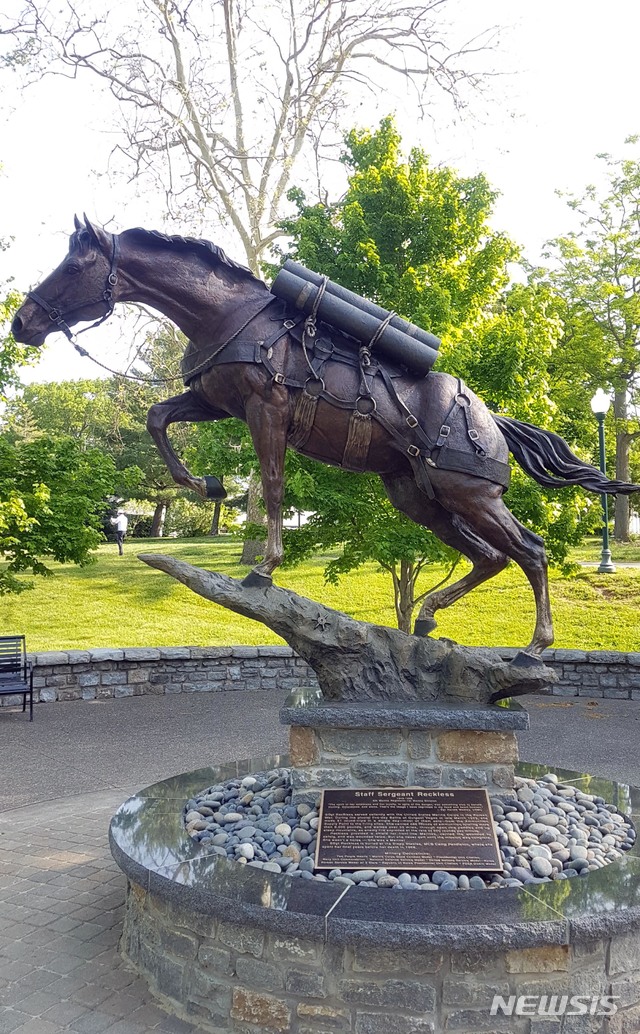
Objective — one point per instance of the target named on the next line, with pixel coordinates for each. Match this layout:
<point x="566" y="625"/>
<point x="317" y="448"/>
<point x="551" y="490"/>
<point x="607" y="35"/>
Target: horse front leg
<point x="268" y="423"/>
<point x="183" y="408"/>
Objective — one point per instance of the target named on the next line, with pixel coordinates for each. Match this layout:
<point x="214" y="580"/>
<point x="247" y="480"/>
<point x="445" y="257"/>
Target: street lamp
<point x="600" y="406"/>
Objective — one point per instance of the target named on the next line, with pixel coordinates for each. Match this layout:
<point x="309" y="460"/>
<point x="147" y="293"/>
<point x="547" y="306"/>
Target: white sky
<point x="571" y="93"/>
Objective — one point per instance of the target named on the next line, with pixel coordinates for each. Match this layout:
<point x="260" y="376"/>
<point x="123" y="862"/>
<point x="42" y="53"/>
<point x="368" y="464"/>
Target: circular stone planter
<point x="236" y="949"/>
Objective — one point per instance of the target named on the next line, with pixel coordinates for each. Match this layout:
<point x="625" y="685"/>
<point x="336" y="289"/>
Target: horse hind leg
<point x="453" y="531"/>
<point x="485" y="511"/>
<point x="487" y="563"/>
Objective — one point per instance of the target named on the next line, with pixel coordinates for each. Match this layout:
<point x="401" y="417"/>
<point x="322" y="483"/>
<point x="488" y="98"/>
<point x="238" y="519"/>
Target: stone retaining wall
<point x="240" y="978"/>
<point x="91" y="674"/>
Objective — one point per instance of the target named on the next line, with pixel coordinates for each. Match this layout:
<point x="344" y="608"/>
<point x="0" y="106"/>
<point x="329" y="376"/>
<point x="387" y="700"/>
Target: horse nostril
<point x="16" y="326"/>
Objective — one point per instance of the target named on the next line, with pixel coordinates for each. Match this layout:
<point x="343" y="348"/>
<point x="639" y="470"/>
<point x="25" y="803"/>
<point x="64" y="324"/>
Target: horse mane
<point x="212" y="253"/>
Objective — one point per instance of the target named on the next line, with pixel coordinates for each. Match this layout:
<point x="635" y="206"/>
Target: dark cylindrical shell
<point x="363" y="303"/>
<point x="395" y="344"/>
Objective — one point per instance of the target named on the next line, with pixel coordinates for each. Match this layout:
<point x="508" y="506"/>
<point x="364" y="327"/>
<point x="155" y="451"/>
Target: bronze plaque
<point x="407" y="829"/>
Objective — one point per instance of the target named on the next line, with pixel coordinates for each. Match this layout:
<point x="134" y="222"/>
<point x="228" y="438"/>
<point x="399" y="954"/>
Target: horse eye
<point x="72" y="269"/>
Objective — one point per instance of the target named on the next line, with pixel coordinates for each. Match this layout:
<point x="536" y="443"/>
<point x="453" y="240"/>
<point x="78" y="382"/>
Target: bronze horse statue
<point x="441" y="454"/>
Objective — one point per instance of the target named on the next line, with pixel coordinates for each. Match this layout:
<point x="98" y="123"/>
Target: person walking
<point x="121" y="524"/>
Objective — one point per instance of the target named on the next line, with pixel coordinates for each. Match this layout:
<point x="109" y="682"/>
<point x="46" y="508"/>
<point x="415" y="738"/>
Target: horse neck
<point x="185" y="288"/>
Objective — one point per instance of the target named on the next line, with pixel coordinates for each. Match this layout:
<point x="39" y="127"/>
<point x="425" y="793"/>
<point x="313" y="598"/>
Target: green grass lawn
<point x="118" y="601"/>
<point x="623" y="552"/>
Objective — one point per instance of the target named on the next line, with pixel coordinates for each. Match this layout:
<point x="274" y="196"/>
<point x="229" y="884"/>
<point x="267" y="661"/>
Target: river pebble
<point x="546" y="830"/>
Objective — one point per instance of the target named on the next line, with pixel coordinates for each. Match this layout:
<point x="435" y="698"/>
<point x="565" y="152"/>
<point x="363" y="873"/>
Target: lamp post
<point x="600" y="406"/>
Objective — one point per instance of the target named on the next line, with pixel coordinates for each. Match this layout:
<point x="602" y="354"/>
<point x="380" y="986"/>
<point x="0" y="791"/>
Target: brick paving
<point x="61" y="893"/>
<point x="61" y="905"/>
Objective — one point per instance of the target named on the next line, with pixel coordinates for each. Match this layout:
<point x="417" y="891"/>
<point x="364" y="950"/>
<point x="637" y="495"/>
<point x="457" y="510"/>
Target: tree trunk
<point x="159" y="517"/>
<point x="253" y="548"/>
<point x="623" y="442"/>
<point x="357" y="661"/>
<point x="215" y="522"/>
<point x="403" y="595"/>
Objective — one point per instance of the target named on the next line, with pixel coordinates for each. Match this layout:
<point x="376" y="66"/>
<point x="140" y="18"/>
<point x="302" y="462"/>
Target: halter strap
<point x="60" y="318"/>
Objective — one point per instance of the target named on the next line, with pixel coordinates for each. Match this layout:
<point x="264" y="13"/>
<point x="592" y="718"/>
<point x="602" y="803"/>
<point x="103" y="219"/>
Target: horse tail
<point x="539" y="452"/>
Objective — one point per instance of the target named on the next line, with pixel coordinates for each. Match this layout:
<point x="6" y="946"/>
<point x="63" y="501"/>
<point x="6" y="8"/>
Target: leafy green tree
<point x="597" y="271"/>
<point x="417" y="239"/>
<point x="53" y="496"/>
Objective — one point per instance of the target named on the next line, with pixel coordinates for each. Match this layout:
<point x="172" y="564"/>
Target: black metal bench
<point x="16" y="672"/>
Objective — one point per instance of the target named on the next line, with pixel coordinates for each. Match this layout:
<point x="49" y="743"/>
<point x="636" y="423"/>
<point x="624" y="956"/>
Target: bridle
<point x="60" y="319"/>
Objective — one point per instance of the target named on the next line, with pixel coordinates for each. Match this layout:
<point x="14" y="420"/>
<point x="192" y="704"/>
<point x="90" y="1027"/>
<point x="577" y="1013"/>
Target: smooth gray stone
<point x="410" y="715"/>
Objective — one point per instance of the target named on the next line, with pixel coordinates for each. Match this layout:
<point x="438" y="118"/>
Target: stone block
<point x="380" y="773"/>
<point x="480" y="961"/>
<point x="113" y="678"/>
<point x="78" y="656"/>
<point x="292" y="948"/>
<point x="167" y="973"/>
<point x="368" y="958"/>
<point x="106" y="655"/>
<point x="123" y="691"/>
<point x="263" y="976"/>
<point x="624" y="954"/>
<point x="427" y="775"/>
<point x="464" y="776"/>
<point x="243" y="939"/>
<point x="174" y="653"/>
<point x="550" y="959"/>
<point x="477" y="993"/>
<point x="390" y="994"/>
<point x="303" y="746"/>
<point x="329" y="1017"/>
<point x="138" y="675"/>
<point x="265" y="1012"/>
<point x="323" y="778"/>
<point x="70" y="693"/>
<point x="141" y="653"/>
<point x="52" y="657"/>
<point x="472" y="1020"/>
<point x="177" y="942"/>
<point x="214" y="958"/>
<point x="351" y="742"/>
<point x="91" y="678"/>
<point x="89" y="693"/>
<point x="626" y="990"/>
<point x="378" y="1023"/>
<point x="469" y="747"/>
<point x="502" y="777"/>
<point x="419" y="745"/>
<point x="306" y="984"/>
<point x="213" y="994"/>
<point x="47" y="696"/>
<point x="275" y="651"/>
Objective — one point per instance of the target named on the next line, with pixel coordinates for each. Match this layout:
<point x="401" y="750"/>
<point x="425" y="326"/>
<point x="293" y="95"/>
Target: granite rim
<point x="150" y="845"/>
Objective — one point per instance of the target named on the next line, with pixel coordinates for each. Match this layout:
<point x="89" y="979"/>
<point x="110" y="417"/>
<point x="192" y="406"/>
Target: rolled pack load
<point x="400" y="341"/>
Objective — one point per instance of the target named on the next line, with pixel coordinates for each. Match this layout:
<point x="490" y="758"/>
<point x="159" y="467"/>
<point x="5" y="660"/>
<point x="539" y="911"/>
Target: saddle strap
<point x="356" y="449"/>
<point x="303" y="419"/>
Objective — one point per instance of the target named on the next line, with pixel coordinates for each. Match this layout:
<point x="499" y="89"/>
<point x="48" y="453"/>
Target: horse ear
<point x="95" y="231"/>
<point x="76" y="222"/>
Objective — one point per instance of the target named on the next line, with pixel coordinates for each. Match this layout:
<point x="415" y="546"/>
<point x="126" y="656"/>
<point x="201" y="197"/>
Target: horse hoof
<point x="254" y="580"/>
<point x="213" y="487"/>
<point x="527" y="660"/>
<point x="423" y="626"/>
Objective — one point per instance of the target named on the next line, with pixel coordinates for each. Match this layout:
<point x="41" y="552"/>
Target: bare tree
<point x="220" y="102"/>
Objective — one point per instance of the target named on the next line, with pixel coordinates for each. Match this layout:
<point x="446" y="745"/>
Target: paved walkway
<point x="61" y="894"/>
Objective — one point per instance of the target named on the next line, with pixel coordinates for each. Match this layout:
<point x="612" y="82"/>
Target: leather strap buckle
<point x="413" y="450"/>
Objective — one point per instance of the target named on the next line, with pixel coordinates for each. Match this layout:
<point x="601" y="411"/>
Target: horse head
<point x="80" y="289"/>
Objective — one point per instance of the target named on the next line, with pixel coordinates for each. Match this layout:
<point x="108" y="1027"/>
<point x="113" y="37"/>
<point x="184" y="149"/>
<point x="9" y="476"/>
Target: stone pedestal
<point x="336" y="744"/>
